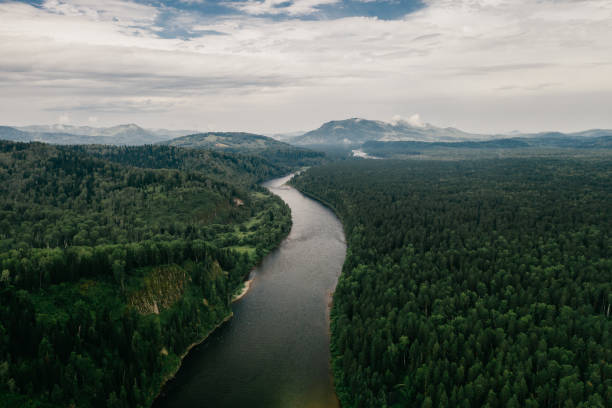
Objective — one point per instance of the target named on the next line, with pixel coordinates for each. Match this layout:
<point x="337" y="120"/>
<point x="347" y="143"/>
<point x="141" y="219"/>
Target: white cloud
<point x="118" y="11"/>
<point x="412" y="120"/>
<point x="293" y="8"/>
<point x="480" y="64"/>
<point x="63" y="119"/>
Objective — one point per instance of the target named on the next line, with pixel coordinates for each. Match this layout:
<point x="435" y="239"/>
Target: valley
<point x="305" y="204"/>
<point x="463" y="259"/>
<point x="275" y="349"/>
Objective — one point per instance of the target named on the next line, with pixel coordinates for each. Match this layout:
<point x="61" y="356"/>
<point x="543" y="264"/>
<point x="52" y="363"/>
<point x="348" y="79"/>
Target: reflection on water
<point x="275" y="350"/>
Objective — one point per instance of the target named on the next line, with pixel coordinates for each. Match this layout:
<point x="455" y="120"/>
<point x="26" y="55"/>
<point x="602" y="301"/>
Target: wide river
<point x="274" y="352"/>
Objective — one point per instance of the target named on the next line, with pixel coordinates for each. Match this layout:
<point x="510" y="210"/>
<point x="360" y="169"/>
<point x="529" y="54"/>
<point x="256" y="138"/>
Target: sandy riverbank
<point x="246" y="286"/>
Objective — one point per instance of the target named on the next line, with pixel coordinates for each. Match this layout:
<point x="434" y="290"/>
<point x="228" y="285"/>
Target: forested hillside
<point x="560" y="145"/>
<point x="231" y="167"/>
<point x="472" y="284"/>
<point x="110" y="272"/>
<point x="266" y="148"/>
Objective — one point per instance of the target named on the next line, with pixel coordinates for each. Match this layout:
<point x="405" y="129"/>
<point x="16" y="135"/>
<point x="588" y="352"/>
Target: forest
<point x="114" y="260"/>
<point x="480" y="283"/>
<point x="243" y="167"/>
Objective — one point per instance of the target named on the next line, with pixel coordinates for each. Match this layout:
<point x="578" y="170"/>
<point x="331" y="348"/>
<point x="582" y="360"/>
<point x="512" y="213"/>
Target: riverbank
<point x="175" y="370"/>
<point x="321" y="201"/>
<point x="246" y="286"/>
<point x="331" y="293"/>
<point x="276" y="346"/>
<point x="239" y="293"/>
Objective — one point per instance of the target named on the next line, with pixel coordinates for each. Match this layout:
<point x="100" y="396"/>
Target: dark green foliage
<point x="235" y="168"/>
<point x="54" y="197"/>
<point x="538" y="145"/>
<point x="85" y="241"/>
<point x="388" y="149"/>
<point x="475" y="283"/>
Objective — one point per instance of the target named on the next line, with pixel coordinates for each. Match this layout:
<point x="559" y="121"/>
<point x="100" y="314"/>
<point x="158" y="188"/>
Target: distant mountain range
<point x="355" y="132"/>
<point x="135" y="135"/>
<point x="129" y="134"/>
<point x="346" y="134"/>
<point x="285" y="137"/>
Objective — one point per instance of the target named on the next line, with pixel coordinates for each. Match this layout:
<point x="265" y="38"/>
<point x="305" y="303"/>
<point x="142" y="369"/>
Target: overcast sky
<point x="276" y="66"/>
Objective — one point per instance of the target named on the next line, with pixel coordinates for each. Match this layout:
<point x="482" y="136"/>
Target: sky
<point x="273" y="66"/>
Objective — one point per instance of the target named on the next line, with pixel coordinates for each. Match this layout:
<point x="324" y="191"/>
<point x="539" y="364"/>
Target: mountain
<point x="227" y="141"/>
<point x="14" y="135"/>
<point x="272" y="151"/>
<point x="385" y="139"/>
<point x="125" y="135"/>
<point x="286" y="137"/>
<point x="592" y="133"/>
<point x="166" y="134"/>
<point x="129" y="134"/>
<point x="355" y="131"/>
<point x="378" y="149"/>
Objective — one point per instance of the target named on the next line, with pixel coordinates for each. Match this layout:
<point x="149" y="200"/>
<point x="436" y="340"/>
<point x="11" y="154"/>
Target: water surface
<point x="274" y="352"/>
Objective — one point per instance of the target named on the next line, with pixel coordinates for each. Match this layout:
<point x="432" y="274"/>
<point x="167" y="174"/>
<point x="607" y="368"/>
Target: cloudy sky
<point x="282" y="65"/>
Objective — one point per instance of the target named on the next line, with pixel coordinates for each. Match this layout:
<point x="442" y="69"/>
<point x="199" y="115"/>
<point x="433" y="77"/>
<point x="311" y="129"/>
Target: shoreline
<point x="235" y="298"/>
<point x="331" y="293"/>
<point x="247" y="286"/>
<point x="245" y="289"/>
<point x="330" y="304"/>
<point x="173" y="373"/>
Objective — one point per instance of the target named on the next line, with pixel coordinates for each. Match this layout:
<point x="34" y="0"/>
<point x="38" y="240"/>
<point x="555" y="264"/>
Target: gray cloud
<point x="108" y="83"/>
<point x="492" y="69"/>
<point x="427" y="37"/>
<point x="535" y="87"/>
<point x="450" y="61"/>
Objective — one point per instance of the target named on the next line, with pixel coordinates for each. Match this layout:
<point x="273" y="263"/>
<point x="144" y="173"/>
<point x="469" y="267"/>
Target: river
<point x="274" y="352"/>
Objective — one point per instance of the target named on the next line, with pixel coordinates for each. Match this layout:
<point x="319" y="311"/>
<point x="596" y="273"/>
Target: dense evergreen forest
<point x="239" y="168"/>
<point x="473" y="283"/>
<point x="114" y="260"/>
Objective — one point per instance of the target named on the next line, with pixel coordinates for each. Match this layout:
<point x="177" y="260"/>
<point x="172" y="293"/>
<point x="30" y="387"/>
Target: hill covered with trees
<point x="115" y="260"/>
<point x="472" y="283"/>
<point x="555" y="144"/>
<point x="236" y="168"/>
<point x="264" y="147"/>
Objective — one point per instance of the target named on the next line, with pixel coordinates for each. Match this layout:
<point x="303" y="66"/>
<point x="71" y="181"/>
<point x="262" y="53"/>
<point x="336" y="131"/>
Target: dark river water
<point x="274" y="352"/>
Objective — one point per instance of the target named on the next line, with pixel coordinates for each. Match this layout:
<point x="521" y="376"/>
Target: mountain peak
<point x="127" y="126"/>
<point x="355" y="131"/>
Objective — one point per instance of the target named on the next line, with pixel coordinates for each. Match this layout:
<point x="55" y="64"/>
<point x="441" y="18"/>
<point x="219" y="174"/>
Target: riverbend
<point x="274" y="352"/>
